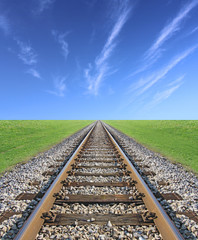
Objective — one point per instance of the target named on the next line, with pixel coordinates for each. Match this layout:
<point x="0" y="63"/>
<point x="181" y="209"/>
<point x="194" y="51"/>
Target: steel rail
<point x="164" y="224"/>
<point x="34" y="222"/>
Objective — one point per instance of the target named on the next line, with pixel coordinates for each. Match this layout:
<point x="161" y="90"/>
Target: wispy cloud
<point x="60" y="38"/>
<point x="34" y="73"/>
<point x="145" y="83"/>
<point x="168" y="31"/>
<point x="43" y="5"/>
<point x="194" y="30"/>
<point x="59" y="87"/>
<point x="165" y="94"/>
<point x="95" y="80"/>
<point x="96" y="72"/>
<point x="178" y="80"/>
<point x="4" y="24"/>
<point x="26" y="53"/>
<point x="28" y="56"/>
<point x="156" y="49"/>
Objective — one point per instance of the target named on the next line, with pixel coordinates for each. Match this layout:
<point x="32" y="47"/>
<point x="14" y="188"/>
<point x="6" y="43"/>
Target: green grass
<point x="177" y="140"/>
<point x="20" y="140"/>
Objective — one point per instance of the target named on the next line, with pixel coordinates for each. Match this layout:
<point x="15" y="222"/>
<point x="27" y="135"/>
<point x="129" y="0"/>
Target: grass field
<point x="177" y="140"/>
<point x="20" y="140"/>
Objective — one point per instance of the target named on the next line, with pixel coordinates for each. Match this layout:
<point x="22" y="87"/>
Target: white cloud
<point x="34" y="73"/>
<point x="4" y="24"/>
<point x="95" y="73"/>
<point x="59" y="87"/>
<point x="178" y="80"/>
<point x="60" y="38"/>
<point x="110" y="45"/>
<point x="154" y="51"/>
<point x="145" y="83"/>
<point x="163" y="95"/>
<point x="194" y="30"/>
<point x="44" y="4"/>
<point x="26" y="54"/>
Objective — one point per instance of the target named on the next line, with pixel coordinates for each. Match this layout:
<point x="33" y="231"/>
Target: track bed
<point x="98" y="195"/>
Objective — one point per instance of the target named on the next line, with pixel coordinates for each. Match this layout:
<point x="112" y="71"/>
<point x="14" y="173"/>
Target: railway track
<point x="100" y="190"/>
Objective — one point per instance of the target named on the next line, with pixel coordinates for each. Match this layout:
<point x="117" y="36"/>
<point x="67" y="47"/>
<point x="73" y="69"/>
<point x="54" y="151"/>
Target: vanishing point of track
<point x="99" y="156"/>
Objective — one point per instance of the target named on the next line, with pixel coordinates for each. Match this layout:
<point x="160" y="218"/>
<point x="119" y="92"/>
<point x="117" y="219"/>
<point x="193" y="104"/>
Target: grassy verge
<point x="177" y="140"/>
<point x="20" y="140"/>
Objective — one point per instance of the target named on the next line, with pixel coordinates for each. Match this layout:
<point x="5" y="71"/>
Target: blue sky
<point x="98" y="59"/>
